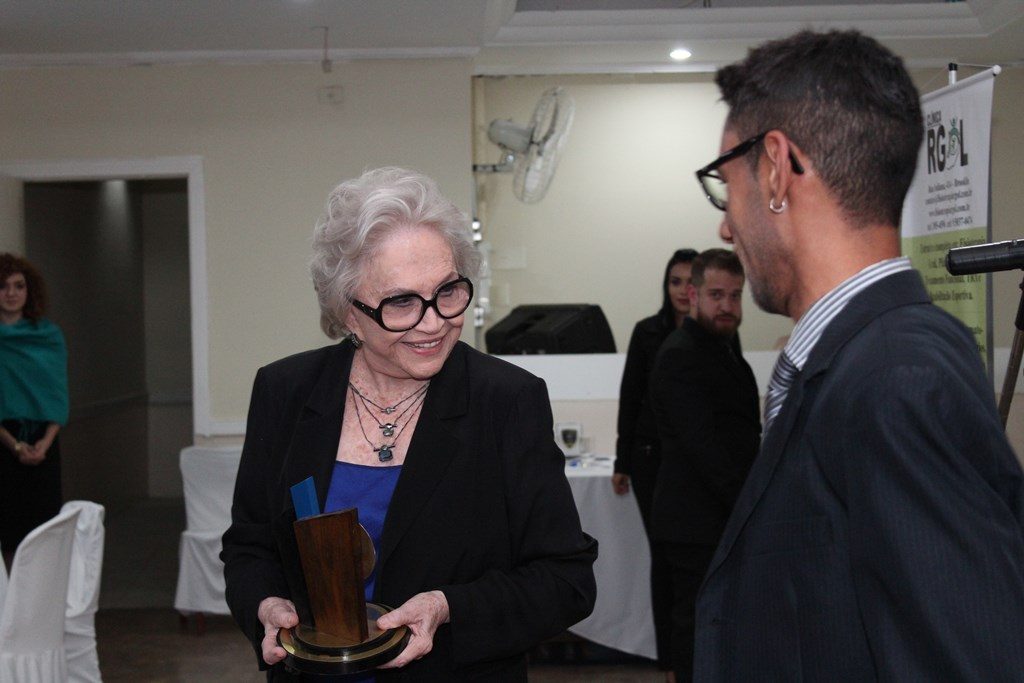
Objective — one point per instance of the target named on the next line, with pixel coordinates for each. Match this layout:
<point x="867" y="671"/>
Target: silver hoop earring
<point x="777" y="209"/>
<point x="356" y="341"/>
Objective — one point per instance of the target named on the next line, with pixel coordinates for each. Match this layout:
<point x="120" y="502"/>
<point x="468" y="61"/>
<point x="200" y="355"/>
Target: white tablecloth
<point x="622" y="617"/>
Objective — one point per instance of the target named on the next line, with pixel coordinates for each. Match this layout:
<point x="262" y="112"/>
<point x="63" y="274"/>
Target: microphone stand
<point x="1013" y="368"/>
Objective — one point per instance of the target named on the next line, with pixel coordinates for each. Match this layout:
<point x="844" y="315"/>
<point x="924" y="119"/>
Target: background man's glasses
<point x="711" y="180"/>
<point x="405" y="311"/>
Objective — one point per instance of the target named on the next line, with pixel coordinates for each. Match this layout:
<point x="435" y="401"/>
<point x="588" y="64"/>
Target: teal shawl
<point x="33" y="372"/>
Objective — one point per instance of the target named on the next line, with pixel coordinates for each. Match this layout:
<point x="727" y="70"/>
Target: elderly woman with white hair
<point x="447" y="453"/>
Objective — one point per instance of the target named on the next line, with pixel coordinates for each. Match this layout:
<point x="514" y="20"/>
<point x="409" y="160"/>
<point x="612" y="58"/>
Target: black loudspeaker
<point x="551" y="328"/>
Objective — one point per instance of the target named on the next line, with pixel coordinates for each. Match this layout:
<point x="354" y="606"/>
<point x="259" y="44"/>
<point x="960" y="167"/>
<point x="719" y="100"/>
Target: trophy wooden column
<point x="331" y="551"/>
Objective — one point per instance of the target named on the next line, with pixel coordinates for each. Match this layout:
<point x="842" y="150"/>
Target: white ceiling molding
<point x="229" y="57"/>
<point x="917" y="20"/>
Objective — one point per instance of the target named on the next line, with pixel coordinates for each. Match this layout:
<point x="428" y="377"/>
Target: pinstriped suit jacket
<point x="879" y="533"/>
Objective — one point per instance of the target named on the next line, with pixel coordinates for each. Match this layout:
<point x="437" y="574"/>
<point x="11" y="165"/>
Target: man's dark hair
<point x="847" y="102"/>
<point x="714" y="259"/>
<point x="680" y="256"/>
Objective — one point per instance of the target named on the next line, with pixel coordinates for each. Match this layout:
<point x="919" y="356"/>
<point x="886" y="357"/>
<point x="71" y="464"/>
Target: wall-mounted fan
<point x="532" y="152"/>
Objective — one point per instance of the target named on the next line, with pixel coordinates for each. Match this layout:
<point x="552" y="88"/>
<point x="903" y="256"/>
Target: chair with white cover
<point x="84" y="593"/>
<point x="32" y="616"/>
<point x="208" y="477"/>
<point x="3" y="581"/>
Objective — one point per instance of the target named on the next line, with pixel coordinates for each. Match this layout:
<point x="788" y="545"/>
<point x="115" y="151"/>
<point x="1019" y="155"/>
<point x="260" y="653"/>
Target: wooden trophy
<point x="337" y="557"/>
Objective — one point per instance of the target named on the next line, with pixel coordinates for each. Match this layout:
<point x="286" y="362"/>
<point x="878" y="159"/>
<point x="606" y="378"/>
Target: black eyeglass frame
<point x="711" y="170"/>
<point x="378" y="317"/>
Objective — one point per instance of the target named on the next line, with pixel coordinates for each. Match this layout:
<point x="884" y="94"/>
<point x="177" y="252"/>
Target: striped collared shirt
<point x="810" y="327"/>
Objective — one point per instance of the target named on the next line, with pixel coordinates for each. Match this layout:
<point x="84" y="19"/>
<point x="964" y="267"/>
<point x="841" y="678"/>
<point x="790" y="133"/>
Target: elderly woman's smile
<point x="414" y="260"/>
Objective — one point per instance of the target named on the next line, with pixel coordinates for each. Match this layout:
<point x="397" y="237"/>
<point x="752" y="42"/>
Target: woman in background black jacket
<point x="638" y="451"/>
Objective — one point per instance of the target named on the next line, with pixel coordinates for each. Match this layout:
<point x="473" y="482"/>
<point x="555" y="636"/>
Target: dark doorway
<point x="116" y="260"/>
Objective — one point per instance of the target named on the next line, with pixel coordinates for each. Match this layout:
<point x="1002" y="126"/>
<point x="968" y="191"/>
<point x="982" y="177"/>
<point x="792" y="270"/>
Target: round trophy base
<point x="312" y="652"/>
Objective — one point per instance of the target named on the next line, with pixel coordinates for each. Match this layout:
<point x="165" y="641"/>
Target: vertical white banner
<point x="947" y="205"/>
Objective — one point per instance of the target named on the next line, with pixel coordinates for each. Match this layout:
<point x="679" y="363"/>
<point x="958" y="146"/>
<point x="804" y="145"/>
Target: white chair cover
<point x="3" y="582"/>
<point x="208" y="477"/>
<point x="84" y="593"/>
<point x="200" y="574"/>
<point x="32" y="621"/>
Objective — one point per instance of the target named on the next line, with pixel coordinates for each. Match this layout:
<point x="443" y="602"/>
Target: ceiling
<point x="500" y="36"/>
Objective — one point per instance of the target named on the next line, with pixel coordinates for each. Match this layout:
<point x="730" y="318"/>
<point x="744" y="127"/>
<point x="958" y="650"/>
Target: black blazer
<point x="482" y="510"/>
<point x="636" y="424"/>
<point x="878" y="536"/>
<point x="704" y="397"/>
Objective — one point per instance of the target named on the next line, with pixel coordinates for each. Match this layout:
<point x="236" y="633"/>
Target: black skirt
<point x="29" y="494"/>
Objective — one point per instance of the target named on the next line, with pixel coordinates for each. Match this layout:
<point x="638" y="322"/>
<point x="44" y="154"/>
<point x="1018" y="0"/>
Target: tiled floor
<point x="140" y="639"/>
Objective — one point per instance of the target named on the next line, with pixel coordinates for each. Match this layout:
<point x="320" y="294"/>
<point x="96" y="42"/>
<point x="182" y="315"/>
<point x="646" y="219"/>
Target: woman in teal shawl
<point x="33" y="404"/>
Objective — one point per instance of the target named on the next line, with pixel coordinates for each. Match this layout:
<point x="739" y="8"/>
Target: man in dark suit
<point x="878" y="535"/>
<point x="704" y="398"/>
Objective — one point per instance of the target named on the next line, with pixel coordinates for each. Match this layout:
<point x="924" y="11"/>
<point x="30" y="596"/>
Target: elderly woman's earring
<point x="356" y="341"/>
<point x="777" y="209"/>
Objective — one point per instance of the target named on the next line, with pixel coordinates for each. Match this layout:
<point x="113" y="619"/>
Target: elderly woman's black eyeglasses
<point x="711" y="180"/>
<point x="405" y="311"/>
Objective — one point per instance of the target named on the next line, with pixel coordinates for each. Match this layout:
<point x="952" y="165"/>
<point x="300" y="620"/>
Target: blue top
<point x="368" y="489"/>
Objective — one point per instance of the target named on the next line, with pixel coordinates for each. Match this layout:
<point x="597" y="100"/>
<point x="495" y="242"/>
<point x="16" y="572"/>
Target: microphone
<point x="986" y="258"/>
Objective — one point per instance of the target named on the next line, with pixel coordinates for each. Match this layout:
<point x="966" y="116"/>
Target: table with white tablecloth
<point x="622" y="616"/>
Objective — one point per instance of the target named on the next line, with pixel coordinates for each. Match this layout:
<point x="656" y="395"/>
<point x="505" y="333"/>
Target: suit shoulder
<point x="918" y="336"/>
<point x="919" y="332"/>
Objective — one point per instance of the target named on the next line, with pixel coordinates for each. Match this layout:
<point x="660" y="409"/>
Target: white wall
<point x="270" y="152"/>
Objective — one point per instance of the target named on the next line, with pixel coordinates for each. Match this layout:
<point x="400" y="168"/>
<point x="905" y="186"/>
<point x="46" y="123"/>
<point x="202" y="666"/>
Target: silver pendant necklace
<point x="385" y="451"/>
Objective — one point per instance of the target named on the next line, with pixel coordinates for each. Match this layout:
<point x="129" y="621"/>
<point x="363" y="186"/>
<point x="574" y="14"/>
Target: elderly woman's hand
<point x="275" y="614"/>
<point x="422" y="613"/>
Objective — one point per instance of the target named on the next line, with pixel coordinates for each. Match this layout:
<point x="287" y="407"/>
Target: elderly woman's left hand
<point x="422" y="613"/>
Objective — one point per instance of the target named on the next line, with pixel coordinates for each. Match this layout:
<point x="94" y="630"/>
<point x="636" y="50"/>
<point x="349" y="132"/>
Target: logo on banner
<point x="944" y="143"/>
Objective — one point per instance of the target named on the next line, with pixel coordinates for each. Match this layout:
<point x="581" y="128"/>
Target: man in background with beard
<point x="705" y="400"/>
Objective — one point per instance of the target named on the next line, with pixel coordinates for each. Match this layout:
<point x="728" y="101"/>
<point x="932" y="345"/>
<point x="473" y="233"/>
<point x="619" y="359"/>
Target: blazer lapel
<point x="897" y="290"/>
<point x="314" y="443"/>
<point x="432" y="448"/>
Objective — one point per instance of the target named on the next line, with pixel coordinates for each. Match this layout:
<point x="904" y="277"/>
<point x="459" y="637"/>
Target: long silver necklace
<point x="385" y="451"/>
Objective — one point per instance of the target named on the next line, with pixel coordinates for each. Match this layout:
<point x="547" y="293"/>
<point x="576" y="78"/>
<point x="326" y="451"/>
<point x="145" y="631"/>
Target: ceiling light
<point x="679" y="54"/>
